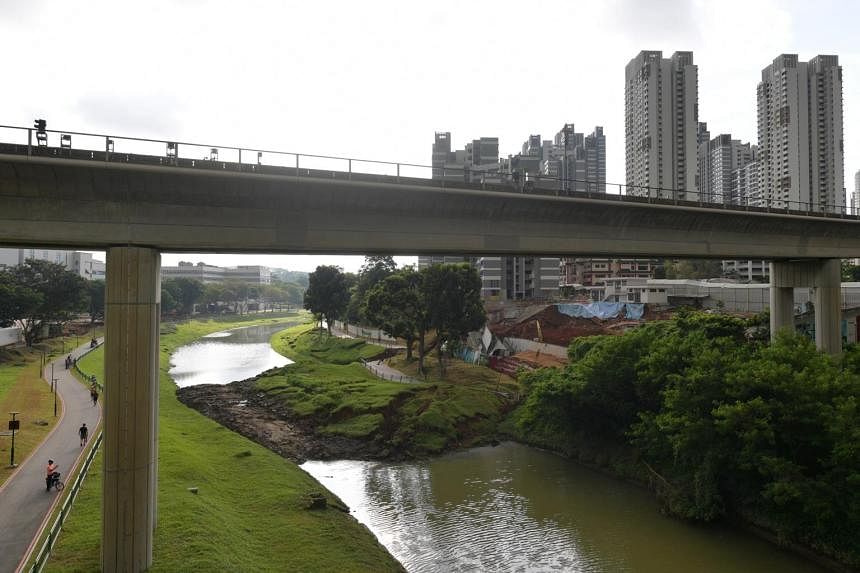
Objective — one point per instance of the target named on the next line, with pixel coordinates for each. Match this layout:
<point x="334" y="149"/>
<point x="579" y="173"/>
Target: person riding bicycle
<point x="51" y="474"/>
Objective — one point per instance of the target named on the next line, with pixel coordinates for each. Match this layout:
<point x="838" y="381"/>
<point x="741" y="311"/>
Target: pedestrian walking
<point x="94" y="395"/>
<point x="83" y="432"/>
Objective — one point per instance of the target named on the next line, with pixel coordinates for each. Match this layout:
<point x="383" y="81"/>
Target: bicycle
<point x="56" y="483"/>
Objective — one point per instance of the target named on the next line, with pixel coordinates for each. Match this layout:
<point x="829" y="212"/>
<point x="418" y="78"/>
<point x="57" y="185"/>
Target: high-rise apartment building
<point x="745" y="185"/>
<point x="592" y="272"/>
<point x="855" y="196"/>
<point x="518" y="278"/>
<point x="800" y="133"/>
<point x="661" y="125"/>
<point x="478" y="159"/>
<point x="572" y="161"/>
<point x="718" y="159"/>
<point x="575" y="161"/>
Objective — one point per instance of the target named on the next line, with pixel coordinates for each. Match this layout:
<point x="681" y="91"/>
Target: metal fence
<point x="57" y="526"/>
<point x="90" y="378"/>
<point x="137" y="150"/>
<point x="386" y="375"/>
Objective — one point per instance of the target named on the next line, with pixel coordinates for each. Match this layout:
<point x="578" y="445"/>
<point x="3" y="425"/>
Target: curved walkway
<point x="24" y="503"/>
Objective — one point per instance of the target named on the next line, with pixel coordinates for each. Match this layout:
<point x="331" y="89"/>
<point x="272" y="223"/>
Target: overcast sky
<point x="376" y="79"/>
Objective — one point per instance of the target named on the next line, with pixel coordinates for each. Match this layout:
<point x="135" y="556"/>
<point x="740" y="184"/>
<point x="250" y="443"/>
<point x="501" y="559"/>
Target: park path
<point x="24" y="503"/>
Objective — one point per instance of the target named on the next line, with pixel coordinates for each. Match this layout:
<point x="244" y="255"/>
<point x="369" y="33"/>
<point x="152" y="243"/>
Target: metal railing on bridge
<point x="144" y="151"/>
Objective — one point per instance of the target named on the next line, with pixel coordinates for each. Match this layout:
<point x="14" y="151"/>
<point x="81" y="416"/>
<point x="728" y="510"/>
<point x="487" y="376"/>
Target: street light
<point x="54" y="388"/>
<point x="13" y="425"/>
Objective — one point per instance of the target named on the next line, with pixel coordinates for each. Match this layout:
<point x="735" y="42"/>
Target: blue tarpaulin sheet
<point x="603" y="310"/>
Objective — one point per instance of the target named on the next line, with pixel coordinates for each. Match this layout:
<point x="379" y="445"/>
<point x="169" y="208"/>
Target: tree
<point x="374" y="270"/>
<point x="328" y="293"/>
<point x="396" y="306"/>
<point x="693" y="269"/>
<point x="452" y="298"/>
<point x="186" y="292"/>
<point x="37" y="293"/>
<point x="96" y="291"/>
<point x="850" y="271"/>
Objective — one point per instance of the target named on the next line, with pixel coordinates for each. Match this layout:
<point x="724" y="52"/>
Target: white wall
<point x="11" y="335"/>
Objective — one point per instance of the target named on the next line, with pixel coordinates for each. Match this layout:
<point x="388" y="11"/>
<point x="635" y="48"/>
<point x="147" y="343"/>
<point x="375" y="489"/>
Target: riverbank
<point x="250" y="509"/>
<point x="328" y="406"/>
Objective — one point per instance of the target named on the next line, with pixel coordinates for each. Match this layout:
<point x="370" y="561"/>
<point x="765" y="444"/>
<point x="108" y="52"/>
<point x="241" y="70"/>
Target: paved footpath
<point x="24" y="503"/>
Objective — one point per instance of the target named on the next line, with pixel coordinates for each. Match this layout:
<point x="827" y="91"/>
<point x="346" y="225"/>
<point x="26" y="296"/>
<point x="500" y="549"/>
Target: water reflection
<point x="224" y="357"/>
<point x="514" y="508"/>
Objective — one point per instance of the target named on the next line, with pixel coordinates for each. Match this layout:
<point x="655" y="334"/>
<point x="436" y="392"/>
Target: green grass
<point x="344" y="398"/>
<point x="328" y="383"/>
<point x="23" y="390"/>
<point x="249" y="514"/>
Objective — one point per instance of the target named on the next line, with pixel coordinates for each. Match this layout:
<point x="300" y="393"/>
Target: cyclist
<point x="49" y="476"/>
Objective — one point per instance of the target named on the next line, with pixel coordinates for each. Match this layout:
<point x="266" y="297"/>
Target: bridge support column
<point x="824" y="277"/>
<point x="133" y="297"/>
<point x="828" y="306"/>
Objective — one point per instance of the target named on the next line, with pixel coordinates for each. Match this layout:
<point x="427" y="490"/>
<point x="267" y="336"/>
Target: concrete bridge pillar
<point x="133" y="300"/>
<point x="824" y="277"/>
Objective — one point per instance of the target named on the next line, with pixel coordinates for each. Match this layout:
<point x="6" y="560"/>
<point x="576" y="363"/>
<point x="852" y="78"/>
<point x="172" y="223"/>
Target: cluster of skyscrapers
<point x="669" y="153"/>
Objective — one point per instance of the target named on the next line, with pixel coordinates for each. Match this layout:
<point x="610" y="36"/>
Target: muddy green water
<point x="515" y="508"/>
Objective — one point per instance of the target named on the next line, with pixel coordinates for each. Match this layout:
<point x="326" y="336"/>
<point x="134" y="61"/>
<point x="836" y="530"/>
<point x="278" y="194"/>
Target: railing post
<point x="350" y="168"/>
<point x="240" y="158"/>
<point x="398" y="173"/>
<point x="297" y="165"/>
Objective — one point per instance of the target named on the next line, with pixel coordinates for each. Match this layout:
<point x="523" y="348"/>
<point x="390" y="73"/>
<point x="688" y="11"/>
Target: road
<point x="24" y="503"/>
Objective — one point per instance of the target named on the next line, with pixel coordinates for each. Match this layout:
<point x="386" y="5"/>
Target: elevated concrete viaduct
<point x="136" y="210"/>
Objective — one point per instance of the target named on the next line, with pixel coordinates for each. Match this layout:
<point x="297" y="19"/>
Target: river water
<point x="227" y="356"/>
<point x="516" y="508"/>
<point x="508" y="508"/>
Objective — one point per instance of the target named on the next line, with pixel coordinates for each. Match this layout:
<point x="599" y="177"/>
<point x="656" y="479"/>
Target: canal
<point x="227" y="356"/>
<point x="504" y="508"/>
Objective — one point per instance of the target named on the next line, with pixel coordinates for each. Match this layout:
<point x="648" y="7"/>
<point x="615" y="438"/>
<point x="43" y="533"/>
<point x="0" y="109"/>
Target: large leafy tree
<point x="96" y="292"/>
<point x="452" y="298"/>
<point x="396" y="305"/>
<point x="37" y="293"/>
<point x="328" y="293"/>
<point x="374" y="270"/>
<point x="186" y="292"/>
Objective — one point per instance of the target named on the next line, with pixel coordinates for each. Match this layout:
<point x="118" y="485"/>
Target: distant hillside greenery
<point x="298" y="277"/>
<point x="720" y="426"/>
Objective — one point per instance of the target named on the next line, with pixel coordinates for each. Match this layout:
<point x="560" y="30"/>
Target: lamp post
<point x="13" y="425"/>
<point x="54" y="388"/>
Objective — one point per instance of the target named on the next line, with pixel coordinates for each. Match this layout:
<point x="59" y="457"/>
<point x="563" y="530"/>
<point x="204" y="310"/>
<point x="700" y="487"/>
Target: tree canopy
<point x="445" y="298"/>
<point x="374" y="270"/>
<point x="726" y="425"/>
<point x="328" y="293"/>
<point x="37" y="293"/>
<point x="396" y="305"/>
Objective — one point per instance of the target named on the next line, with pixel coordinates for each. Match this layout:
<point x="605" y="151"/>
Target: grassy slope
<point x="249" y="514"/>
<point x="23" y="390"/>
<point x="345" y="399"/>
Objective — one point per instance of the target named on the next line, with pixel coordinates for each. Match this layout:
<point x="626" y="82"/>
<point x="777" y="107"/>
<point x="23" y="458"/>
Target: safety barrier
<point x="54" y="531"/>
<point x="380" y="373"/>
<point x="91" y="378"/>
